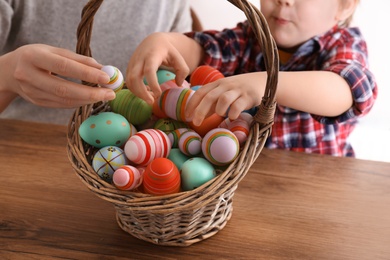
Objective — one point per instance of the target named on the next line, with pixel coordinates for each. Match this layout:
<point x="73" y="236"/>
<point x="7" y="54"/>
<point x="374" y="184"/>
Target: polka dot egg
<point x="105" y="129"/>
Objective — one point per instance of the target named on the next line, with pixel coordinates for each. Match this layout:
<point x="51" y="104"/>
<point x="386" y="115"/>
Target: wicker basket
<point x="187" y="217"/>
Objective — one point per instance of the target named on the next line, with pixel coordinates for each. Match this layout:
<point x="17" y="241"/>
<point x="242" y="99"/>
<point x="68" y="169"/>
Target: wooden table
<point x="289" y="206"/>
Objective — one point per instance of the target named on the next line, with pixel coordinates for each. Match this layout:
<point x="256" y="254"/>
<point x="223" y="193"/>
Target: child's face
<point x="292" y="22"/>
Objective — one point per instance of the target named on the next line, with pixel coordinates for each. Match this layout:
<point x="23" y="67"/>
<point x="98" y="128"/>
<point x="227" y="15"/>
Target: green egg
<point x="195" y="172"/>
<point x="105" y="129"/>
<point x="133" y="108"/>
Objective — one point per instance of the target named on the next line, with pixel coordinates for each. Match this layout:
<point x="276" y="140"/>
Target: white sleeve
<point x="6" y="14"/>
<point x="183" y="20"/>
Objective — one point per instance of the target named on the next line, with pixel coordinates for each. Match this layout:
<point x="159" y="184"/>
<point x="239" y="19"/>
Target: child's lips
<point x="281" y="21"/>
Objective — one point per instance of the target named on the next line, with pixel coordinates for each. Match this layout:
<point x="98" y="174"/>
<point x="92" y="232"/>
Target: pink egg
<point x="220" y="146"/>
<point x="240" y="128"/>
<point x="127" y="177"/>
<point x="172" y="84"/>
<point x="147" y="145"/>
<point x="174" y="136"/>
<point x="190" y="143"/>
<point x="173" y="102"/>
<point x="117" y="81"/>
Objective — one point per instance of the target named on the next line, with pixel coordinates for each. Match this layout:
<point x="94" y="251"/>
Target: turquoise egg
<point x="195" y="172"/>
<point x="163" y="76"/>
<point x="177" y="157"/>
<point x="105" y="129"/>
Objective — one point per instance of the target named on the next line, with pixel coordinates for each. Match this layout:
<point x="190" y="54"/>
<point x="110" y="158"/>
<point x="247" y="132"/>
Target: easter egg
<point x="107" y="160"/>
<point x="208" y="123"/>
<point x="240" y="128"/>
<point x="167" y="125"/>
<point x="133" y="108"/>
<point x="105" y="129"/>
<point x="205" y="74"/>
<point x="161" y="177"/>
<point x="172" y="84"/>
<point x="177" y="157"/>
<point x="127" y="177"/>
<point x="117" y="81"/>
<point x="146" y="145"/>
<point x="174" y="136"/>
<point x="195" y="172"/>
<point x="173" y="102"/>
<point x="220" y="146"/>
<point x="190" y="143"/>
<point x="163" y="76"/>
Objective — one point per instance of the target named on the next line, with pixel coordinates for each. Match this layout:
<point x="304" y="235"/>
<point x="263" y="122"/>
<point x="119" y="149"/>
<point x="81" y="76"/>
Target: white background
<point x="371" y="139"/>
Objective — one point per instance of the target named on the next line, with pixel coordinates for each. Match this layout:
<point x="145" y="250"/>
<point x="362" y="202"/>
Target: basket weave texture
<point x="183" y="218"/>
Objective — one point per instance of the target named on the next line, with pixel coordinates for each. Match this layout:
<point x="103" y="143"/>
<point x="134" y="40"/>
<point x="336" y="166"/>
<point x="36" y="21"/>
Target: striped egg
<point x="107" y="160"/>
<point x="190" y="143"/>
<point x="173" y="102"/>
<point x="240" y="128"/>
<point x="174" y="136"/>
<point x="220" y="146"/>
<point x="161" y="177"/>
<point x="146" y="145"/>
<point x="127" y="177"/>
<point x="205" y="74"/>
<point x="167" y="125"/>
<point x="133" y="108"/>
<point x="172" y="84"/>
<point x="117" y="81"/>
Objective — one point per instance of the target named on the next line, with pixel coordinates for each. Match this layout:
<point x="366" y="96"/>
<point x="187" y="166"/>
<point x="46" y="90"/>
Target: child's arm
<point x="172" y="50"/>
<point x="317" y="92"/>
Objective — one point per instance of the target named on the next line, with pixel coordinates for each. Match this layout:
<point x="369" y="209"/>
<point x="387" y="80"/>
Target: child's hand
<point x="228" y="96"/>
<point x="31" y="72"/>
<point x="155" y="51"/>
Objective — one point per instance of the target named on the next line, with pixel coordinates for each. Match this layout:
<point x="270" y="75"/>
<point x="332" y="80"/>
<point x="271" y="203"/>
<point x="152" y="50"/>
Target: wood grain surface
<point x="289" y="206"/>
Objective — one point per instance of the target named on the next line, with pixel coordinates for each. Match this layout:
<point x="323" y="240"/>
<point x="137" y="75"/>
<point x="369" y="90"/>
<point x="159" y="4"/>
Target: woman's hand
<point x="228" y="96"/>
<point x="33" y="72"/>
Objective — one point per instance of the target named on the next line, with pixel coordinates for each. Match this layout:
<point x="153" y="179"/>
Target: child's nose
<point x="286" y="2"/>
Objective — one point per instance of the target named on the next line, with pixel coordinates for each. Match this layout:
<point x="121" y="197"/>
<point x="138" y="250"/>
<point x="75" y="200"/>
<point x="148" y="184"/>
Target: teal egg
<point x="177" y="157"/>
<point x="195" y="172"/>
<point x="133" y="108"/>
<point x="105" y="129"/>
<point x="163" y="76"/>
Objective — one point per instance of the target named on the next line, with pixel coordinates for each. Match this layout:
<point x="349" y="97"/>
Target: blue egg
<point x="107" y="160"/>
<point x="105" y="129"/>
<point x="195" y="172"/>
<point x="177" y="157"/>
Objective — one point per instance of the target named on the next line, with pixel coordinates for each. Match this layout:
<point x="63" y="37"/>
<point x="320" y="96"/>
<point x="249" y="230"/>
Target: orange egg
<point x="208" y="123"/>
<point x="161" y="177"/>
<point x="205" y="74"/>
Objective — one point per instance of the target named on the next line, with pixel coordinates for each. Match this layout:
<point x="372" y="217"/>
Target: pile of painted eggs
<point x="156" y="149"/>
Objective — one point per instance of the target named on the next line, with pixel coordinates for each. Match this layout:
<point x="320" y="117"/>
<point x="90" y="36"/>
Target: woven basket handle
<point x="266" y="111"/>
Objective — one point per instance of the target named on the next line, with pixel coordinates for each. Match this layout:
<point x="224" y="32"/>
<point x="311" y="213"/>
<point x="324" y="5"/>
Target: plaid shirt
<point x="340" y="50"/>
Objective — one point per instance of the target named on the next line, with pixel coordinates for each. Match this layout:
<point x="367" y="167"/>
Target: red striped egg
<point x="205" y="74"/>
<point x="161" y="177"/>
<point x="146" y="145"/>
